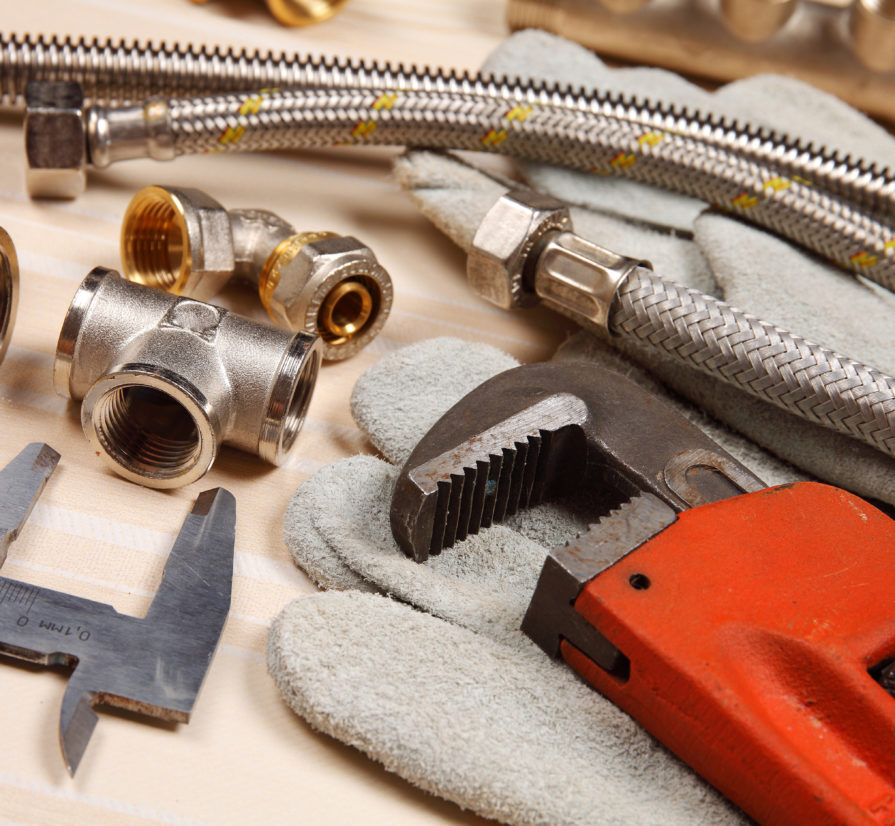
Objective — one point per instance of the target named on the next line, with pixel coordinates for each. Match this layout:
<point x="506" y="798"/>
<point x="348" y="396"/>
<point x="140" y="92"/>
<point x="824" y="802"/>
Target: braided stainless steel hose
<point x="122" y="71"/>
<point x="524" y="252"/>
<point x="859" y="240"/>
<point x="767" y="362"/>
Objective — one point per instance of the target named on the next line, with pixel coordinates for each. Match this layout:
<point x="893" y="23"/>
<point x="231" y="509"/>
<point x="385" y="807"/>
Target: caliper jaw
<point x="152" y="665"/>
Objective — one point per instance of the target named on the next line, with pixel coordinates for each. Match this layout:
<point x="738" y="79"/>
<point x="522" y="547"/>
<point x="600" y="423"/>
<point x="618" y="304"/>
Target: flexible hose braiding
<point x="127" y="71"/>
<point x="838" y="229"/>
<point x="771" y="364"/>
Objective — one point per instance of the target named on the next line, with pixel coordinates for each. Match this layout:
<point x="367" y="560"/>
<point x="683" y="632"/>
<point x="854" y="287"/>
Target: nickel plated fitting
<point x="185" y="242"/>
<point x="55" y="151"/>
<point x="9" y="289"/>
<point x="165" y="381"/>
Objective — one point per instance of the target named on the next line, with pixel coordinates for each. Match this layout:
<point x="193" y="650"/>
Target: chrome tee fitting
<point x="185" y="242"/>
<point x="166" y="380"/>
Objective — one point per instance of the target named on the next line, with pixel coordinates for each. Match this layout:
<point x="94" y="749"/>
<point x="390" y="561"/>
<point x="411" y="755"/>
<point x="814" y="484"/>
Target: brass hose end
<point x="177" y="240"/>
<point x="9" y="290"/>
<point x="327" y="284"/>
<point x="303" y="12"/>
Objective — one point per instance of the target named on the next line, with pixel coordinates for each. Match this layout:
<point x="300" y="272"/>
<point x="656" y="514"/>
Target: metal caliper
<point x="154" y="664"/>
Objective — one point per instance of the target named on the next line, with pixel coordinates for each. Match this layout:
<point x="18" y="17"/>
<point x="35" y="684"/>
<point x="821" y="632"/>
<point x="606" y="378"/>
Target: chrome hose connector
<point x="165" y="381"/>
<point x="183" y="241"/>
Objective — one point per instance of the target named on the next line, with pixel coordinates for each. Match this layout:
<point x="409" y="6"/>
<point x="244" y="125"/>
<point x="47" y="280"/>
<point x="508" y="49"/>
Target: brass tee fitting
<point x="185" y="242"/>
<point x="166" y="380"/>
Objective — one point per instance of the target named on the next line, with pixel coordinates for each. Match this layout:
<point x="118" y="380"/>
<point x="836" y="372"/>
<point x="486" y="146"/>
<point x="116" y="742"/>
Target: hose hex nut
<point x="55" y="148"/>
<point x="166" y="380"/>
<point x="510" y="230"/>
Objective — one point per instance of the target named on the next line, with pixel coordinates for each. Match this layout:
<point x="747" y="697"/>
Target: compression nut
<point x="185" y="242"/>
<point x="164" y="381"/>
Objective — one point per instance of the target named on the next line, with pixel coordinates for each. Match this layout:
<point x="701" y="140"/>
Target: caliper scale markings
<point x="153" y="665"/>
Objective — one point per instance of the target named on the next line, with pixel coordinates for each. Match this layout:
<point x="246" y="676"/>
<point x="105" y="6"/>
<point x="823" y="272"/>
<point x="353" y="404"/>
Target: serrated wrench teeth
<point x="484" y="479"/>
<point x="536" y="432"/>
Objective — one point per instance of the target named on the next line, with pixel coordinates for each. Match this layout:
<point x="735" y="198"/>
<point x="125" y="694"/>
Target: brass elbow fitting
<point x="166" y="380"/>
<point x="185" y="242"/>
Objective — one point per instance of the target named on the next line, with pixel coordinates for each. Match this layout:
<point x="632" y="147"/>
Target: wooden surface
<point x="244" y="758"/>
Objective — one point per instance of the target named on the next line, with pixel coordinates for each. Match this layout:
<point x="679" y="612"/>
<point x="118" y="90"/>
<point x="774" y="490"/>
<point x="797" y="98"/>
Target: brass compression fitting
<point x="185" y="242"/>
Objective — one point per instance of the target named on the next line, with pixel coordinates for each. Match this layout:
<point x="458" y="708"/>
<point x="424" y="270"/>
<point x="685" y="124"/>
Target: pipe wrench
<point x="748" y="628"/>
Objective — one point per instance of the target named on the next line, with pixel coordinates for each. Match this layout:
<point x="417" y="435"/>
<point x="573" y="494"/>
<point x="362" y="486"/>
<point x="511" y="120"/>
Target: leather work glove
<point x="692" y="244"/>
<point x="438" y="683"/>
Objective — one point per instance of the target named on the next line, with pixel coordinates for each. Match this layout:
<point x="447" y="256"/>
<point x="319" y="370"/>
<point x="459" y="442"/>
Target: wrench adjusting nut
<point x="166" y="380"/>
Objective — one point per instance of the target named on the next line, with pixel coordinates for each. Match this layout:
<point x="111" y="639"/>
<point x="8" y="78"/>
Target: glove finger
<point x="400" y="397"/>
<point x="311" y="552"/>
<point x="502" y="731"/>
<point x="484" y="583"/>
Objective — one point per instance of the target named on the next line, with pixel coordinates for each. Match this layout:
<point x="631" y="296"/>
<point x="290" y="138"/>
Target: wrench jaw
<point x="551" y="616"/>
<point x="536" y="432"/>
<point x="518" y="463"/>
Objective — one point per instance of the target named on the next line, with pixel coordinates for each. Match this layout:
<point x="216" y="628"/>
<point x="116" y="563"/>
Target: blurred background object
<point x="300" y="12"/>
<point x="847" y="49"/>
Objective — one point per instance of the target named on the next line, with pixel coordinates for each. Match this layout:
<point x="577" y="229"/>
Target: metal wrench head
<point x="539" y="431"/>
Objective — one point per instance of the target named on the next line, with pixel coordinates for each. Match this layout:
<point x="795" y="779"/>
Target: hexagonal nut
<point x="504" y="241"/>
<point x="330" y="285"/>
<point x="55" y="140"/>
<point x="179" y="240"/>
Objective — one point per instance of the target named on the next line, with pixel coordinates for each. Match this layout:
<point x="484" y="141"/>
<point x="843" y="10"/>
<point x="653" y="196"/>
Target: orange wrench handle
<point x="751" y="626"/>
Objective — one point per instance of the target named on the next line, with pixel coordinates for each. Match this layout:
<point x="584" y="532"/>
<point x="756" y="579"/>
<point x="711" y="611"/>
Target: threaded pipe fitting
<point x="184" y="242"/>
<point x="165" y="380"/>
